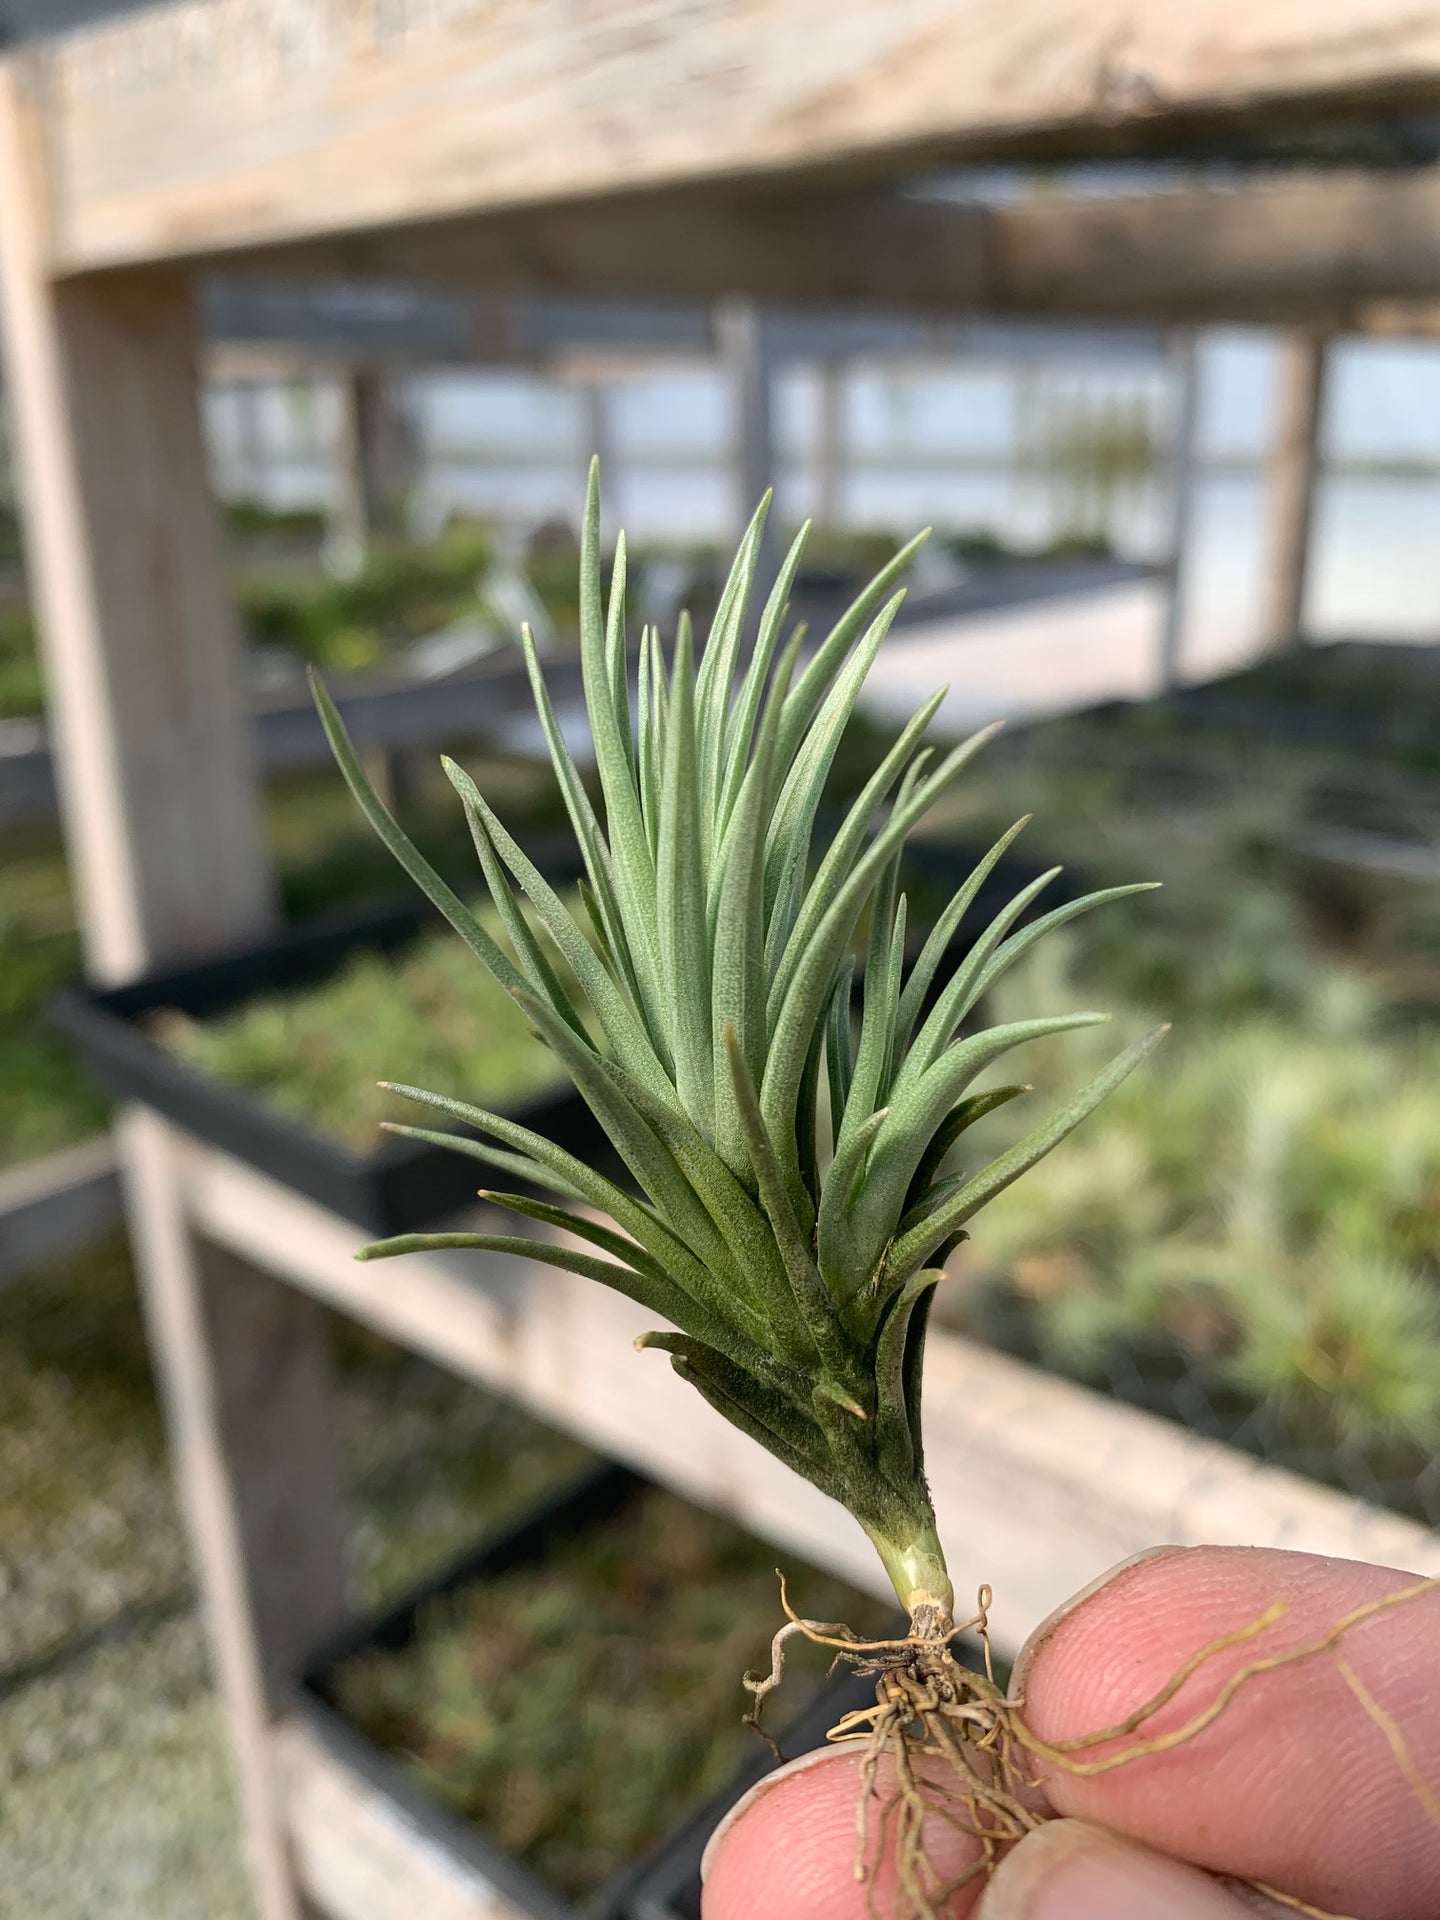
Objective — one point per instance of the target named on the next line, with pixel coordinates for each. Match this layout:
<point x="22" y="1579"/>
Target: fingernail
<point x="1025" y="1659"/>
<point x="1069" y="1870"/>
<point x="766" y="1784"/>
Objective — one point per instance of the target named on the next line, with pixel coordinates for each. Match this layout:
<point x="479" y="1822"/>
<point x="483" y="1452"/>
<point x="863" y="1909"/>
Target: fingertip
<point x="786" y="1850"/>
<point x="1069" y="1870"/>
<point x="789" y="1849"/>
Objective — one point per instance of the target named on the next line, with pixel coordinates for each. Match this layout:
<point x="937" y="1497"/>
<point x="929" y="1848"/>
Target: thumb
<point x="1068" y="1870"/>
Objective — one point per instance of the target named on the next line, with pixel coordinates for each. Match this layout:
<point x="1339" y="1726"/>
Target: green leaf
<point x="918" y="1110"/>
<point x="490" y="954"/>
<point x="765" y="1417"/>
<point x="633" y="861"/>
<point x="958" y="996"/>
<point x="642" y="1150"/>
<point x="895" y="1439"/>
<point x="959" y="1119"/>
<point x="575" y="1177"/>
<point x="683" y="926"/>
<point x="809" y="1289"/>
<point x="912" y="1249"/>
<point x="618" y="1019"/>
<point x="922" y="974"/>
<point x="588" y="836"/>
<point x="534" y="963"/>
<point x="829" y="656"/>
<point x="744" y="1347"/>
<point x="717" y="669"/>
<point x="738" y="975"/>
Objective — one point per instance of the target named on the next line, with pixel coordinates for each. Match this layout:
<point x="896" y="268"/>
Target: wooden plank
<point x="1319" y="246"/>
<point x="164" y="839"/>
<point x="229" y="123"/>
<point x="139" y="642"/>
<point x="1039" y="1484"/>
<point x="1184" y="472"/>
<point x="1290" y="491"/>
<point x="242" y="1364"/>
<point x="52" y="1205"/>
<point x="747" y="362"/>
<point x="359" y="1855"/>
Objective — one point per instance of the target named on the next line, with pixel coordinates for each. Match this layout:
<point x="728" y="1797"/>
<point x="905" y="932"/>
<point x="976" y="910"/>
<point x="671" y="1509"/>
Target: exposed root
<point x="950" y="1746"/>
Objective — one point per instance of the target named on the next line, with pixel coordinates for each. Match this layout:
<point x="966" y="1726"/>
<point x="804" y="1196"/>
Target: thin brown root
<point x="1398" y="1745"/>
<point x="956" y="1750"/>
<point x="1290" y="1900"/>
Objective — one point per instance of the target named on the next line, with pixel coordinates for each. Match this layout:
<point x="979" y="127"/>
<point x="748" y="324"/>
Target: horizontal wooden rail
<point x="358" y="1854"/>
<point x="54" y="1204"/>
<point x="1040" y="1485"/>
<point x="230" y="124"/>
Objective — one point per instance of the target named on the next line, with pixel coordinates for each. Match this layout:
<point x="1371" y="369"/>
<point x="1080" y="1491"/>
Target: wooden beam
<point x="55" y="1204"/>
<point x="1184" y="472"/>
<point x="1290" y="492"/>
<point x="243" y="1370"/>
<point x="829" y="488"/>
<point x="233" y="123"/>
<point x="747" y="363"/>
<point x="140" y="645"/>
<point x="1314" y="247"/>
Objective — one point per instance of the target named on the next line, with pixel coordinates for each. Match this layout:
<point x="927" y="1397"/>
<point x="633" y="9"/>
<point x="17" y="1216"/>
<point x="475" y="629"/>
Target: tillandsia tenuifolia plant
<point x="794" y="1212"/>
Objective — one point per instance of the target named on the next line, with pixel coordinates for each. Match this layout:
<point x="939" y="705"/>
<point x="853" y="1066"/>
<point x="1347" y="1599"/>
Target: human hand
<point x="1294" y="1785"/>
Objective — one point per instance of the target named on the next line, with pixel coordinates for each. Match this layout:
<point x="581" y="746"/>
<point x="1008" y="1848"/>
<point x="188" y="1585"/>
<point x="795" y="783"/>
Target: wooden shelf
<point x="1039" y="1485"/>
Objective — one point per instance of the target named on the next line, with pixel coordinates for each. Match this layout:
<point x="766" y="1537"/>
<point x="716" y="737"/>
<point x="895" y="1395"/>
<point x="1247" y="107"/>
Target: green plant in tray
<point x="310" y="1053"/>
<point x="794" y="1208"/>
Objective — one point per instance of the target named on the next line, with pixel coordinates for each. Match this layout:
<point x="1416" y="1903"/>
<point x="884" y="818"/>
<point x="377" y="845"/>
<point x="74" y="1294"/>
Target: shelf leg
<point x="165" y="843"/>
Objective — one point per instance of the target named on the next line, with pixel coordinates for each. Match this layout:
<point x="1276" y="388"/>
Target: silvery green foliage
<point x="794" y="1255"/>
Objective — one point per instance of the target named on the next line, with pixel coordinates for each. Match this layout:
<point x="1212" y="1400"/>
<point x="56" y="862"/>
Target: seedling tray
<point x="665" y="1883"/>
<point x="393" y="1187"/>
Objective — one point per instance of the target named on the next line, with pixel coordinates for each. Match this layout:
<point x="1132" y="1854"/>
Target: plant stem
<point x="915" y="1562"/>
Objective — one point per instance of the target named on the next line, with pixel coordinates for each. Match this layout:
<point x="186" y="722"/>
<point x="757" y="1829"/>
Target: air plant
<point x="794" y="1208"/>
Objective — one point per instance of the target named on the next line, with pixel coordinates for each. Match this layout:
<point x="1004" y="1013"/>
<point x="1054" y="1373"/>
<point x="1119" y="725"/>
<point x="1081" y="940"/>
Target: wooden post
<point x="747" y="359"/>
<point x="145" y="703"/>
<point x="1293" y="468"/>
<point x="1184" y="460"/>
<point x="829" y="444"/>
<point x="596" y="443"/>
<point x="163" y="831"/>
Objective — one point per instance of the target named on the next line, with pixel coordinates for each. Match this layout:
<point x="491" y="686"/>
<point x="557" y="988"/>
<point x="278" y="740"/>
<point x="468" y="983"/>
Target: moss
<point x="578" y="1708"/>
<point x="430" y="1015"/>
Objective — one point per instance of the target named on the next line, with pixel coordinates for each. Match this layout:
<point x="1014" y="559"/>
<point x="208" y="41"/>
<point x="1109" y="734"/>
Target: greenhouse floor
<point x="115" y="1790"/>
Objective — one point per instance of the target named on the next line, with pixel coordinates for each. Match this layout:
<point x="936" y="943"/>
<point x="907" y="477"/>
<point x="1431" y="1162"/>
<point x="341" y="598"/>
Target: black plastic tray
<point x="394" y="1187"/>
<point x="665" y="1884"/>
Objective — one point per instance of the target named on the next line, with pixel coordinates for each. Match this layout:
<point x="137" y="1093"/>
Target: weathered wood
<point x="830" y="444"/>
<point x="1184" y="468"/>
<point x="1290" y="492"/>
<point x="359" y="1856"/>
<point x="1314" y="247"/>
<point x="229" y="123"/>
<point x="138" y="637"/>
<point x="242" y="1366"/>
<point x="1039" y="1485"/>
<point x="51" y="1205"/>
<point x="372" y="464"/>
<point x="164" y="838"/>
<point x="748" y="365"/>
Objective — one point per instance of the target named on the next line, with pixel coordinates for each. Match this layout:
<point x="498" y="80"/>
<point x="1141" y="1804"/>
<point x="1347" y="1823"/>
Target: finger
<point x="788" y="1851"/>
<point x="1070" y="1871"/>
<point x="1294" y="1784"/>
